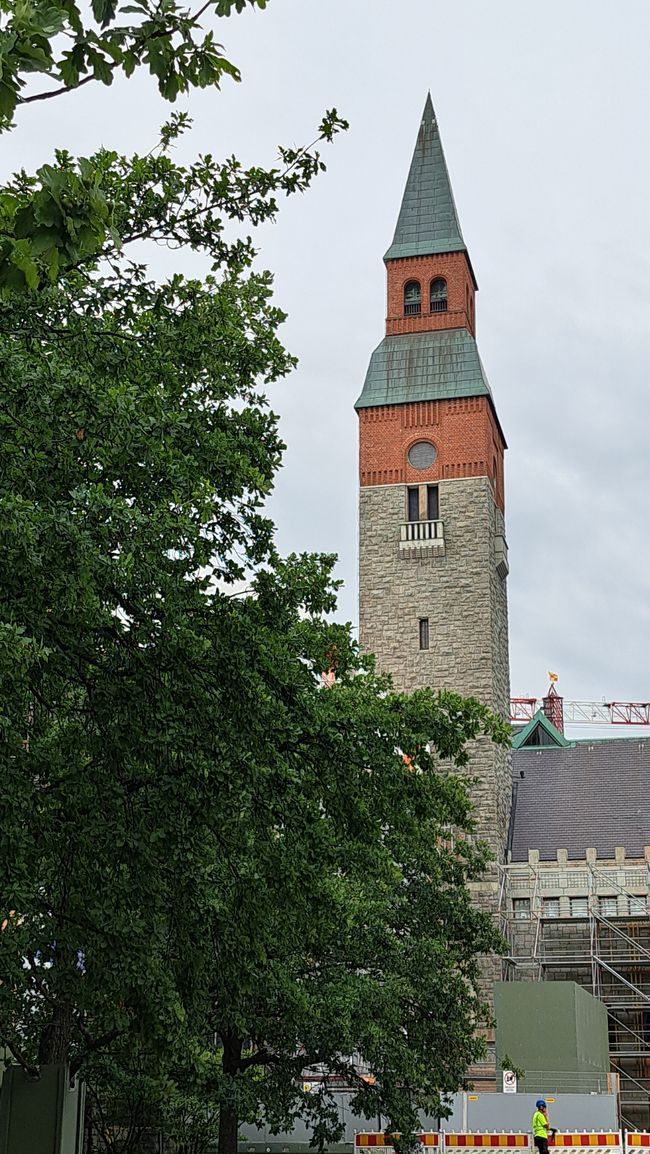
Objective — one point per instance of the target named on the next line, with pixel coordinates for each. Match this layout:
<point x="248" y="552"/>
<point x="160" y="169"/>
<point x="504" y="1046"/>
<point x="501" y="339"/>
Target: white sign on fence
<point x="509" y="1082"/>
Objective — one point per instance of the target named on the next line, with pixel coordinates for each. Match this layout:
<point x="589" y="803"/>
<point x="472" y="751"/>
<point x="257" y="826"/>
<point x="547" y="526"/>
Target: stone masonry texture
<point x="465" y="602"/>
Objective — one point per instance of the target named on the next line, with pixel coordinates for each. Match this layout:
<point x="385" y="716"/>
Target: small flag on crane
<point x="552" y="676"/>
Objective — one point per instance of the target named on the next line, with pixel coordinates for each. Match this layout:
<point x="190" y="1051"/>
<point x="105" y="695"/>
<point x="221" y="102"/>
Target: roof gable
<point x="539" y="731"/>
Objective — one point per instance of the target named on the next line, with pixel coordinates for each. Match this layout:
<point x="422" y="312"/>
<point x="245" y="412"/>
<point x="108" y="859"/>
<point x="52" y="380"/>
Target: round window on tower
<point x="421" y="455"/>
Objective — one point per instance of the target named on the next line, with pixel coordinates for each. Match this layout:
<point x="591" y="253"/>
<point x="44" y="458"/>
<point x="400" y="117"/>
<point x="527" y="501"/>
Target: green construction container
<point x="551" y="1027"/>
<point x="43" y="1115"/>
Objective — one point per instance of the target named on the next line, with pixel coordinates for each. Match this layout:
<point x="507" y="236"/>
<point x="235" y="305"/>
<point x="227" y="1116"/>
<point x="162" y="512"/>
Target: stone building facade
<point x="576" y="885"/>
<point x="586" y="921"/>
<point x="568" y="821"/>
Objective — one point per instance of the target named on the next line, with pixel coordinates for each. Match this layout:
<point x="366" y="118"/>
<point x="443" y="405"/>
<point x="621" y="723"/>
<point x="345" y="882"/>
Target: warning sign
<point x="509" y="1082"/>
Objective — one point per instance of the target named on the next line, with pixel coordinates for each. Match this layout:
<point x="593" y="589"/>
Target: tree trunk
<point x="228" y="1127"/>
<point x="55" y="1040"/>
<point x="228" y="1118"/>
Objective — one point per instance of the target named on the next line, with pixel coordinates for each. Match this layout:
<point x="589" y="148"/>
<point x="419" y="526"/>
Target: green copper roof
<point x="530" y="736"/>
<point x="429" y="366"/>
<point x="428" y="222"/>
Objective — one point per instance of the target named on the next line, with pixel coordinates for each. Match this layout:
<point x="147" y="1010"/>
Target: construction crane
<point x="561" y="712"/>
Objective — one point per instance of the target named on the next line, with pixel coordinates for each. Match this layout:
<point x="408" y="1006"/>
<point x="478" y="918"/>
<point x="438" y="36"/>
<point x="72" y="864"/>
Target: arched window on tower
<point x="412" y="298"/>
<point x="438" y="295"/>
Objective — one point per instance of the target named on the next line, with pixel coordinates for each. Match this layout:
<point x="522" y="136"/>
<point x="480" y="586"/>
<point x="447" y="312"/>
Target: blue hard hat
<point x="539" y="1103"/>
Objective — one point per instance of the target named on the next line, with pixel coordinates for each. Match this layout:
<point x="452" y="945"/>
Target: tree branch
<point x="260" y="1058"/>
<point x="55" y="91"/>
<point x="92" y="1046"/>
<point x="112" y="65"/>
<point x="16" y="1052"/>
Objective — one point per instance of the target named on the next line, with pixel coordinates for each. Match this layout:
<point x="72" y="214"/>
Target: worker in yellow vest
<point x="540" y="1126"/>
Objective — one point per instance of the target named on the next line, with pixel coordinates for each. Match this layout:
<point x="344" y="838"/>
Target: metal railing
<point x="566" y="1082"/>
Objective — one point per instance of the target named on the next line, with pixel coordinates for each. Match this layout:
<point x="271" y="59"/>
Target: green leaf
<point x="69" y="71"/>
<point x="104" y="11"/>
<point x="21" y="257"/>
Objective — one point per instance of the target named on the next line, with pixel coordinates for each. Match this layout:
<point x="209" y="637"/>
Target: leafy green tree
<point x="136" y="450"/>
<point x="355" y="934"/>
<point x="64" y="214"/>
<point x="214" y="870"/>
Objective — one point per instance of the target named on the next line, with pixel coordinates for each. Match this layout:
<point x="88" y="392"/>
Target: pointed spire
<point x="427" y="222"/>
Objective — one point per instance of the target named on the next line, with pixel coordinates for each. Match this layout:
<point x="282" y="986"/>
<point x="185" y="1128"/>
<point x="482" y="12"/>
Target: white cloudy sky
<point x="544" y="111"/>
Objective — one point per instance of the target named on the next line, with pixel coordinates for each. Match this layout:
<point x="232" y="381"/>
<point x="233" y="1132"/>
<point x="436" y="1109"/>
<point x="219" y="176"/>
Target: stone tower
<point x="432" y="550"/>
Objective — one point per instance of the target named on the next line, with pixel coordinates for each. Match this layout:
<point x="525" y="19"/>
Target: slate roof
<point x="428" y="366"/>
<point x="587" y="794"/>
<point x="428" y="221"/>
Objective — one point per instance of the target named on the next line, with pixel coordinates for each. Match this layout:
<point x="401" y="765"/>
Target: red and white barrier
<point x="600" y="1142"/>
<point x="502" y="1143"/>
<point x="378" y="1139"/>
<point x="634" y="1139"/>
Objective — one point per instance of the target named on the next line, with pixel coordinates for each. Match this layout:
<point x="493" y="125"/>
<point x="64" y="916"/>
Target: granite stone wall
<point x="464" y="599"/>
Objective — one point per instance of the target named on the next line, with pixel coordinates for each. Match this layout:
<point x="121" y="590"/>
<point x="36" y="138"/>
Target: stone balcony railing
<point x="421" y="538"/>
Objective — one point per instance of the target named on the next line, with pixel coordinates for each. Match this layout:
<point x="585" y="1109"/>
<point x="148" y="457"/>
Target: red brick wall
<point x="454" y="267"/>
<point x="464" y="432"/>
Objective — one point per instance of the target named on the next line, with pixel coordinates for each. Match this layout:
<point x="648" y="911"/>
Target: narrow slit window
<point x="414" y="504"/>
<point x="424" y="633"/>
<point x="433" y="507"/>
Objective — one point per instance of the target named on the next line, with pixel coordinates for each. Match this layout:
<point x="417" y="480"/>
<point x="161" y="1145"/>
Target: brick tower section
<point x="432" y="550"/>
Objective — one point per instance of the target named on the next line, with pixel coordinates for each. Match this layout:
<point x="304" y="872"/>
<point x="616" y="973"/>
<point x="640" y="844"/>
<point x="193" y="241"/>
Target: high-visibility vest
<point x="540" y="1125"/>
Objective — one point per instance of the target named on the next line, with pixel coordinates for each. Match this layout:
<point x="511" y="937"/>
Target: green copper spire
<point x="428" y="222"/>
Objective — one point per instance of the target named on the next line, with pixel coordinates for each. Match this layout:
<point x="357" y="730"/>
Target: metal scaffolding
<point x="608" y="954"/>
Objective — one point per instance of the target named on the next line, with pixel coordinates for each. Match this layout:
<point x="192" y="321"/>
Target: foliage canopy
<point x="214" y="870"/>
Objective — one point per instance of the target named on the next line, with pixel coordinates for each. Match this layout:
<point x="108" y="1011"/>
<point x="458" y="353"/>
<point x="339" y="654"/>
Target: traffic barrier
<point x="364" y="1138"/>
<point x="636" y="1138"/>
<point x="498" y="1142"/>
<point x="599" y="1142"/>
<point x="603" y="1143"/>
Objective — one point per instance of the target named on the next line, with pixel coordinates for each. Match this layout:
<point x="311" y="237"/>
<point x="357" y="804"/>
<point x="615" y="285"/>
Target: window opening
<point x="608" y="907"/>
<point x="421" y="455"/>
<point x="521" y="909"/>
<point x="424" y="633"/>
<point x="433" y="508"/>
<point x="579" y="907"/>
<point x="412" y="298"/>
<point x="638" y="906"/>
<point x="414" y="504"/>
<point x="550" y="907"/>
<point x="438" y="295"/>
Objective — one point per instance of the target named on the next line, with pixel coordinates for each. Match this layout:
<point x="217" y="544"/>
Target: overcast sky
<point x="544" y="111"/>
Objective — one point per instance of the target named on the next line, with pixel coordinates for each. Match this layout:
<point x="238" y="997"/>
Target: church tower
<point x="432" y="549"/>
